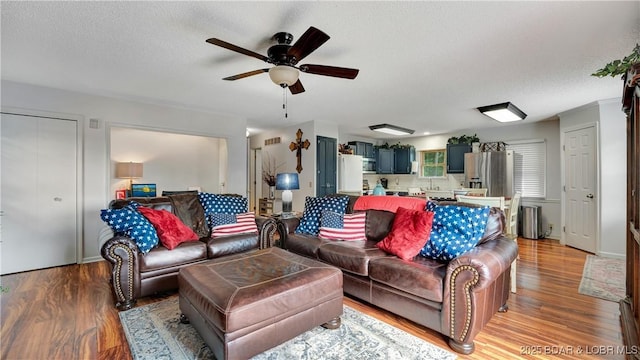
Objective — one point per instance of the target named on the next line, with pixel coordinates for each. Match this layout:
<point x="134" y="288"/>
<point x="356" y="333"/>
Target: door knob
<point x="590" y="196"/>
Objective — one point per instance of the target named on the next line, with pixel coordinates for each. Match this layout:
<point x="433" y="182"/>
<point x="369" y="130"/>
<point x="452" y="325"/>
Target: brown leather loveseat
<point x="135" y="275"/>
<point x="456" y="298"/>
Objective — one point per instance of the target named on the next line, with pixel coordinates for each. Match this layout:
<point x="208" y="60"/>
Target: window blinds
<point x="530" y="167"/>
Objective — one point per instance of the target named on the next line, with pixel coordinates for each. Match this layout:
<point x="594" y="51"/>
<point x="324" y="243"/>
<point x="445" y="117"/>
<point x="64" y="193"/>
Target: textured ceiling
<point x="423" y="65"/>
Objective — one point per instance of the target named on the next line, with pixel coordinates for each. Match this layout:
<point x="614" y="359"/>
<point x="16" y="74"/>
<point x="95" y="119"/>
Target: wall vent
<point x="272" y="141"/>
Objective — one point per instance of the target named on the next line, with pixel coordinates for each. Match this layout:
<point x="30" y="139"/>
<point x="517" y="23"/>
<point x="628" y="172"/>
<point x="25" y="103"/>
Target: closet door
<point x="38" y="193"/>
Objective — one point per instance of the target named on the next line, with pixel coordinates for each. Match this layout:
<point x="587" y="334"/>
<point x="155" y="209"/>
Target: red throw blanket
<point x="389" y="203"/>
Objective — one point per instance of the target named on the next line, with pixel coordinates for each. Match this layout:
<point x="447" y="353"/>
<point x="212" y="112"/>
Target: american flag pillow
<point x="232" y="224"/>
<point x="348" y="227"/>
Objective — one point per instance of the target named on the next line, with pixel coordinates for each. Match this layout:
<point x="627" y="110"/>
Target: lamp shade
<point x="283" y="75"/>
<point x="287" y="181"/>
<point x="128" y="170"/>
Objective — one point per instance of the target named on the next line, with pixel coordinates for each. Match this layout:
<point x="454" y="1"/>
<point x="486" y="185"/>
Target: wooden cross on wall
<point x="297" y="146"/>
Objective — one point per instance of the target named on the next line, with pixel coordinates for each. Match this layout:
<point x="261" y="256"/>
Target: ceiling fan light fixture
<point x="283" y="75"/>
<point x="391" y="129"/>
<point x="504" y="112"/>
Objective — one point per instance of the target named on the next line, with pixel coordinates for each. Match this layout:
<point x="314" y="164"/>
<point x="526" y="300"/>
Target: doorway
<point x="38" y="192"/>
<point x="581" y="190"/>
<point x="255" y="179"/>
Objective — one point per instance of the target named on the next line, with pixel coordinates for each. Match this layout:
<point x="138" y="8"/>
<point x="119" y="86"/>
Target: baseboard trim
<point x="91" y="259"/>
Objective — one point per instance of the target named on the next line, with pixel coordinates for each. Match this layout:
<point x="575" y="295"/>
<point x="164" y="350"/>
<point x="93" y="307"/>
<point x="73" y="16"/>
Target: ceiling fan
<point x="285" y="57"/>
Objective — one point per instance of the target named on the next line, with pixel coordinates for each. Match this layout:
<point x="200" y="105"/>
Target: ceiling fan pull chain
<point x="284" y="101"/>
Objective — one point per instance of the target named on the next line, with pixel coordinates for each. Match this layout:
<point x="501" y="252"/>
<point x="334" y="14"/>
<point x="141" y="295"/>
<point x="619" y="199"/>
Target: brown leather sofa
<point x="456" y="298"/>
<point x="135" y="275"/>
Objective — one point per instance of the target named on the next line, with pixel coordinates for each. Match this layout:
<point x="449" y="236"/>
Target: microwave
<point x="368" y="165"/>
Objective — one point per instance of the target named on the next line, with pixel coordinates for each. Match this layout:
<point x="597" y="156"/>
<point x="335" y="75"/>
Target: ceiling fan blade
<point x="247" y="74"/>
<point x="296" y="88"/>
<point x="237" y="49"/>
<point x="334" y="71"/>
<point x="307" y="43"/>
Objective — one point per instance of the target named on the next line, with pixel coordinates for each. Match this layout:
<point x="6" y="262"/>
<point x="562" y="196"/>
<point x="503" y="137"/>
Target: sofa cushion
<point x="187" y="207"/>
<point x="388" y="203"/>
<point x="171" y="231"/>
<point x="495" y="225"/>
<point x="304" y="244"/>
<point x="379" y="223"/>
<point x="410" y="231"/>
<point x="456" y="230"/>
<point x="232" y="224"/>
<point x="421" y="277"/>
<point x="161" y="257"/>
<point x="231" y="244"/>
<point x="351" y="256"/>
<point x="313" y="207"/>
<point x="130" y="222"/>
<point x="348" y="227"/>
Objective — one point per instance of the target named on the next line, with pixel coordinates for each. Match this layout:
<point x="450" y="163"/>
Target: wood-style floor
<point x="67" y="313"/>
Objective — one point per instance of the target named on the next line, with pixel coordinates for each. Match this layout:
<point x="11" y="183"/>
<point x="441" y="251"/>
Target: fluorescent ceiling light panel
<point x="504" y="112"/>
<point x="391" y="129"/>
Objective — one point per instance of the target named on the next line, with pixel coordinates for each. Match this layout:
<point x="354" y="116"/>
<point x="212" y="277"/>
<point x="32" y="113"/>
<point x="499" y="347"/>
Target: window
<point x="432" y="163"/>
<point x="530" y="167"/>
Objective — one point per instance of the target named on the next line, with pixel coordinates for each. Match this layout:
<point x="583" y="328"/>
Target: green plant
<point x="464" y="139"/>
<point x="620" y="67"/>
<point x="400" y="146"/>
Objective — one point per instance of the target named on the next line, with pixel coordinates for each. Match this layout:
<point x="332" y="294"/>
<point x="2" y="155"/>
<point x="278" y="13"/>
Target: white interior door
<point x="580" y="187"/>
<point x="38" y="192"/>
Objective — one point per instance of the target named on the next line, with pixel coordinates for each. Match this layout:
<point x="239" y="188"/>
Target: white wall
<point x="607" y="114"/>
<point x="613" y="178"/>
<point x="286" y="160"/>
<point x="171" y="161"/>
<point x="97" y="193"/>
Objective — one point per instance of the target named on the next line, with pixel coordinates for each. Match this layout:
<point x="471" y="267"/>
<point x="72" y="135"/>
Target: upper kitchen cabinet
<point x="455" y="157"/>
<point x="363" y="149"/>
<point x="403" y="157"/>
<point x="385" y="161"/>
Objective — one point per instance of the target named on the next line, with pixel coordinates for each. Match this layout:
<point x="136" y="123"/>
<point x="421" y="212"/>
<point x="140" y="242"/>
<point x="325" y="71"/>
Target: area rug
<point x="603" y="278"/>
<point x="154" y="332"/>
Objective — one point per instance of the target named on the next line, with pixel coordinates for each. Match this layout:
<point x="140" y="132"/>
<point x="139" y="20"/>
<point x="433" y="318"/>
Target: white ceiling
<point x="423" y="65"/>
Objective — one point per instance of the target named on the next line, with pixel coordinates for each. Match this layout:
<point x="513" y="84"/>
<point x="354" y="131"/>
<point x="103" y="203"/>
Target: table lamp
<point x="287" y="182"/>
<point x="129" y="170"/>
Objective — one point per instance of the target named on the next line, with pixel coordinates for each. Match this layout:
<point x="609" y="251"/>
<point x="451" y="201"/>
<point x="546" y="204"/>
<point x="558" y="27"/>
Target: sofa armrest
<point x="122" y="253"/>
<point x="476" y="287"/>
<point x="286" y="226"/>
<point x="266" y="229"/>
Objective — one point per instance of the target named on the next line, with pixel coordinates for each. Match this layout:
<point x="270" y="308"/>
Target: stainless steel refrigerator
<point x="493" y="170"/>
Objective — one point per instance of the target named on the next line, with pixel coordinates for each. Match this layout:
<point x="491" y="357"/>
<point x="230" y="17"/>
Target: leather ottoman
<point x="245" y="304"/>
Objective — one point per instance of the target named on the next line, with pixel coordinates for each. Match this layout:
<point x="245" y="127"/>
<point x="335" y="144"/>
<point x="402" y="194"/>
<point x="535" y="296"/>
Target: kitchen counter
<point x="439" y="193"/>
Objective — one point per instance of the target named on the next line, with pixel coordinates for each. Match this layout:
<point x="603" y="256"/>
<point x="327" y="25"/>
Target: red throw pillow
<point x="171" y="231"/>
<point x="409" y="233"/>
